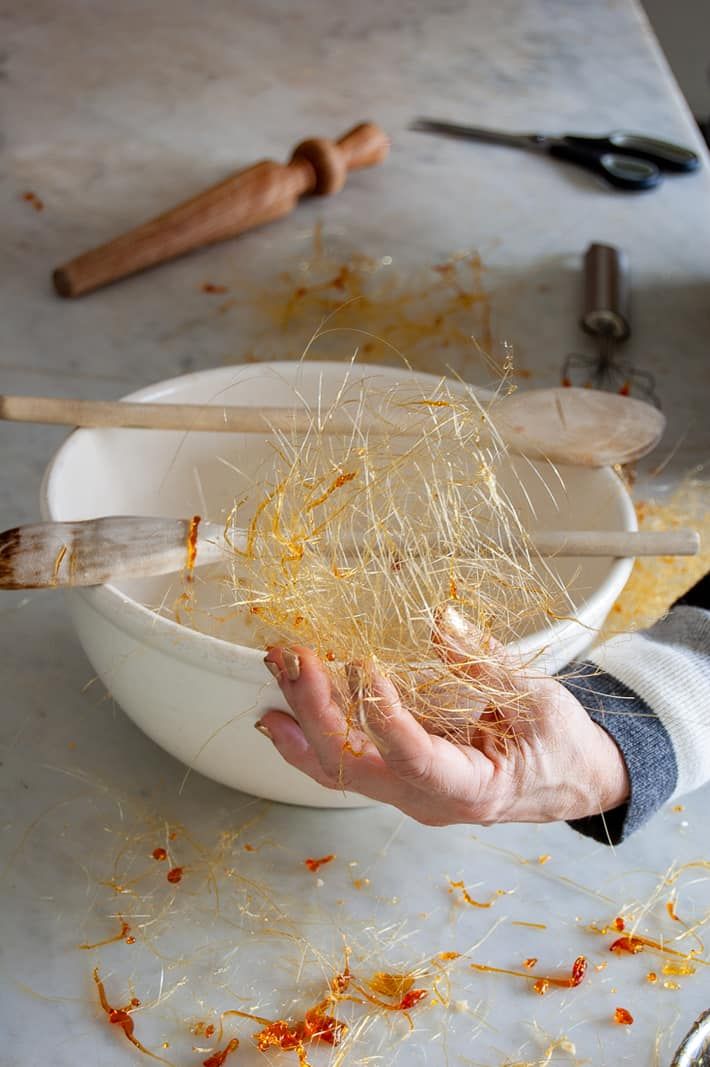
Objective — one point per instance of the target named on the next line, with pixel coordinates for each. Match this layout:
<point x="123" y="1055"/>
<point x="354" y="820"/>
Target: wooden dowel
<point x="95" y="551"/>
<point x="187" y="418"/>
<point x="616" y="543"/>
<point x="249" y="198"/>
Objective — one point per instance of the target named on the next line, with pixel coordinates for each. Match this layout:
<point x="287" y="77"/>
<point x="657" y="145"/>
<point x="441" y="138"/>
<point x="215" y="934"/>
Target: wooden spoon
<point x="583" y="427"/>
<point x="95" y="551"/>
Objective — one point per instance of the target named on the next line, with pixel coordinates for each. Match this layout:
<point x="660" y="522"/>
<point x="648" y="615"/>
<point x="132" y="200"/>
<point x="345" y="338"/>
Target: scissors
<point x="628" y="161"/>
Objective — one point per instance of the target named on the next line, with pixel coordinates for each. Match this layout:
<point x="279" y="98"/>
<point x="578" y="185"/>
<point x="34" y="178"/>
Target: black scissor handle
<point x="664" y="154"/>
<point x="622" y="171"/>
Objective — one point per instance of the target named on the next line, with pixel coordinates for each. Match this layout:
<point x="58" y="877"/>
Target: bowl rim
<point x="234" y="660"/>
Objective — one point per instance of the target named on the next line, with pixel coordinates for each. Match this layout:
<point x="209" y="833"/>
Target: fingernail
<point x="452" y="622"/>
<point x="455" y="630"/>
<point x="357" y="684"/>
<point x="263" y="729"/>
<point x="292" y="664"/>
<point x="355" y="679"/>
<point x="273" y="667"/>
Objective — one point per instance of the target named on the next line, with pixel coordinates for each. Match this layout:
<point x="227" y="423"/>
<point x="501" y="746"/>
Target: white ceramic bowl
<point x="196" y="693"/>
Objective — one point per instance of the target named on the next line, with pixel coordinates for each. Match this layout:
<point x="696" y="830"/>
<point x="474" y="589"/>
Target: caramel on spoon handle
<point x="249" y="198"/>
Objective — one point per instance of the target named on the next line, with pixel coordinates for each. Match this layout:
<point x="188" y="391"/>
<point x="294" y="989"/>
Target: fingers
<point x="503" y="686"/>
<point x="425" y="776"/>
<point x="461" y="643"/>
<point x="403" y="743"/>
<point x="288" y="737"/>
<point x="305" y="684"/>
<point x="424" y="763"/>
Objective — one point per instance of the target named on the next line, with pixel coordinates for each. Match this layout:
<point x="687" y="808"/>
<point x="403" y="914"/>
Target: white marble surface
<point x="111" y="113"/>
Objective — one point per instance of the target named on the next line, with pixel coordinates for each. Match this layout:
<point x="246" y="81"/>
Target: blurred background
<point x="683" y="28"/>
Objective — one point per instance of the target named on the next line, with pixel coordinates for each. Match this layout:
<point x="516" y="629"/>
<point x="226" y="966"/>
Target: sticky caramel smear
<point x="398" y="987"/>
<point x="202" y="1029"/>
<point x="655" y="583"/>
<point x="315" y="865"/>
<point x="670" y="967"/>
<point x="423" y="315"/>
<point x="317" y="1025"/>
<point x="34" y="200"/>
<point x="191" y="546"/>
<point x="58" y="560"/>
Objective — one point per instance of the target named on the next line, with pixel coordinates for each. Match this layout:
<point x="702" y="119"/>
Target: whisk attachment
<point x="605" y="317"/>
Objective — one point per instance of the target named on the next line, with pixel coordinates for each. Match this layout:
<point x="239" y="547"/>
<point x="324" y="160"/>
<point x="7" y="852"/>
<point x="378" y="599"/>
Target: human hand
<point x="538" y="757"/>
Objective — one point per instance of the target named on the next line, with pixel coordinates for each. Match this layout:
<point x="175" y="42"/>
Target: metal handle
<point x="664" y="154"/>
<point x="623" y="172"/>
<point x="605" y="311"/>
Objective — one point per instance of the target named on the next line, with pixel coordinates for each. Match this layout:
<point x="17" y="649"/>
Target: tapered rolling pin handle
<point x="249" y="198"/>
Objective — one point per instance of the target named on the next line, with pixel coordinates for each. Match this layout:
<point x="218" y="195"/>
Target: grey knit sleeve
<point x="651" y="692"/>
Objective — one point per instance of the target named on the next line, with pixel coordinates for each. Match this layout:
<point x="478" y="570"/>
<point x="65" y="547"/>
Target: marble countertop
<point x="110" y="114"/>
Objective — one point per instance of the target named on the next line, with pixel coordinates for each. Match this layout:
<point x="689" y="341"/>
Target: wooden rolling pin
<point x="249" y="198"/>
<point x="95" y="551"/>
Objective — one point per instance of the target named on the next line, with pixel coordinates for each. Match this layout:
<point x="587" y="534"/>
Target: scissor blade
<point x="481" y="133"/>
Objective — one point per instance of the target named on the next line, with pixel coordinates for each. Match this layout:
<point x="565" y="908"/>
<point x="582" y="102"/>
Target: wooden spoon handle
<point x="576" y="426"/>
<point x="187" y="418"/>
<point x="249" y="198"/>
<point x="95" y="551"/>
<point x="617" y="544"/>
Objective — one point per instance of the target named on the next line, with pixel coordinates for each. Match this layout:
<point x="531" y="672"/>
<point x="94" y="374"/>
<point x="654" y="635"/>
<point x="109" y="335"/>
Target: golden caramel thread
<point x="121" y="1017"/>
<point x="469" y="899"/>
<point x="192" y="546"/>
<point x="541" y="984"/>
<point x="405" y="525"/>
<point x="124" y="934"/>
<point x="632" y="944"/>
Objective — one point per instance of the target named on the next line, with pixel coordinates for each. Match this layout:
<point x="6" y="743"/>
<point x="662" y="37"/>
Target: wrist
<point x="614" y="782"/>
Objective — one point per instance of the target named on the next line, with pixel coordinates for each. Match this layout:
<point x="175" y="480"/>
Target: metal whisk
<point x="605" y="316"/>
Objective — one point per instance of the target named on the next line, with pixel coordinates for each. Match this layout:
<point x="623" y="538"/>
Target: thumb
<point x="492" y="673"/>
